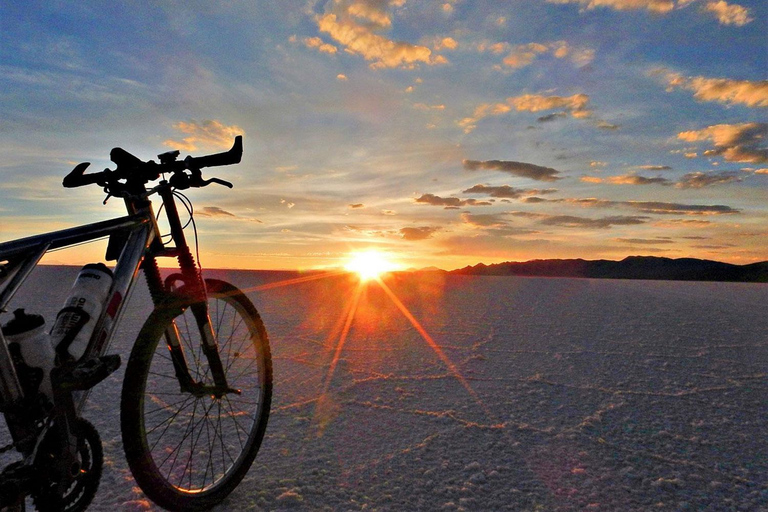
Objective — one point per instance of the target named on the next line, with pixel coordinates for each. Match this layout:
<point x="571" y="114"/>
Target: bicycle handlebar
<point x="136" y="172"/>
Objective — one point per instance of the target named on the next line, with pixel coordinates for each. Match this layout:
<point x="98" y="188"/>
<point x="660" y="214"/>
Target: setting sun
<point x="370" y="264"/>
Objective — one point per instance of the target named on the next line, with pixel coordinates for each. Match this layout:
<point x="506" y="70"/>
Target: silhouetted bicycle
<point x="197" y="388"/>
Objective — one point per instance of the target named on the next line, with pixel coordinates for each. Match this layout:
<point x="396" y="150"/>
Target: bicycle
<point x="193" y="409"/>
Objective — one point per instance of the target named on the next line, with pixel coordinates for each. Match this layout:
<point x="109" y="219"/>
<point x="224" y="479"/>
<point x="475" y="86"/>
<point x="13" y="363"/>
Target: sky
<point x="442" y="133"/>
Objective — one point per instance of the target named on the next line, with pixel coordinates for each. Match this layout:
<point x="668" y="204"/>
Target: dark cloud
<point x="645" y="241"/>
<point x="505" y="191"/>
<point x="450" y="202"/>
<point x="525" y="170"/>
<point x="573" y="221"/>
<point x="707" y="179"/>
<point x="213" y="211"/>
<point x="676" y="208"/>
<point x="658" y="207"/>
<point x="356" y="206"/>
<point x="655" y="167"/>
<point x="418" y="233"/>
<point x="552" y="117"/>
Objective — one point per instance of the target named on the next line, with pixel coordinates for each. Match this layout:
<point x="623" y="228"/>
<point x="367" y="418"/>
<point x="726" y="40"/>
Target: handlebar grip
<point x="76" y="178"/>
<point x="230" y="157"/>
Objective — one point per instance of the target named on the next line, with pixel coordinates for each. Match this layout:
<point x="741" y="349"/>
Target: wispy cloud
<point x="214" y="211"/>
<point x="418" y="233"/>
<point x="357" y="26"/>
<point x="744" y="142"/>
<point x="207" y="134"/>
<point x="725" y="13"/>
<point x="449" y="202"/>
<point x="524" y="55"/>
<point x="658" y="6"/>
<point x="575" y="105"/>
<point x="645" y="241"/>
<point x="722" y="90"/>
<point x="522" y="169"/>
<point x="319" y="44"/>
<point x="707" y="179"/>
<point x="635" y="179"/>
<point x="505" y="191"/>
<point x="573" y="221"/>
<point x="655" y="207"/>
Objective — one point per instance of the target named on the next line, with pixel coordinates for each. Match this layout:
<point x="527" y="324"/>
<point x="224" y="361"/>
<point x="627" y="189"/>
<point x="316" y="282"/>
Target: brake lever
<point x="218" y="181"/>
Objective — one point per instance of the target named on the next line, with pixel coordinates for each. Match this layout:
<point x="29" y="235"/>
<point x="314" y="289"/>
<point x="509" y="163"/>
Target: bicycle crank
<point x="48" y="495"/>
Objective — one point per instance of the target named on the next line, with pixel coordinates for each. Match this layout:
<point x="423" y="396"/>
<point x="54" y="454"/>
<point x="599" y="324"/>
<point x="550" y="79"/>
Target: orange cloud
<point x="204" y="134"/>
<point x="658" y="6"/>
<point x="524" y="54"/>
<point x="723" y="90"/>
<point x="735" y="142"/>
<point x="729" y="14"/>
<point x="316" y="42"/>
<point x="356" y="26"/>
<point x="575" y="104"/>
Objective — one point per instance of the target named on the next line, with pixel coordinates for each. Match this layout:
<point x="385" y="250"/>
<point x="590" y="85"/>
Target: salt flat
<point x="498" y="393"/>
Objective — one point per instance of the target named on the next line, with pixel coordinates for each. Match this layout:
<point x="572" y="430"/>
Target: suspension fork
<point x="195" y="293"/>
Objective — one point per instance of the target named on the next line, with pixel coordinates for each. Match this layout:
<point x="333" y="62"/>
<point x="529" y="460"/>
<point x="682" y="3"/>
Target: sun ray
<point x="343" y="337"/>
<point x="295" y="280"/>
<point x="432" y="344"/>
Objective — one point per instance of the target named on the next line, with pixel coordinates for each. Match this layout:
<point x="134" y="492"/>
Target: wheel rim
<point x="196" y="443"/>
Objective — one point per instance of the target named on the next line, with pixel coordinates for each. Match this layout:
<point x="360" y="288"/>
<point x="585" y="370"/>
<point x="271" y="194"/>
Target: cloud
<point x="449" y="202"/>
<point x="707" y="179"/>
<point x="676" y="208"/>
<point x="418" y="233"/>
<point x="448" y="43"/>
<point x="734" y="142"/>
<point x="208" y="134"/>
<point x="729" y="14"/>
<point x="645" y="241"/>
<point x="320" y="45"/>
<point x="573" y="221"/>
<point x="576" y="105"/>
<point x="552" y="117"/>
<point x="722" y="90"/>
<point x="634" y="179"/>
<point x="355" y="206"/>
<point x="486" y="220"/>
<point x="356" y="25"/>
<point x="505" y="191"/>
<point x="213" y="211"/>
<point x="655" y="207"/>
<point x="522" y="169"/>
<point x="655" y="167"/>
<point x="657" y="6"/>
<point x="524" y="54"/>
<point x="690" y="180"/>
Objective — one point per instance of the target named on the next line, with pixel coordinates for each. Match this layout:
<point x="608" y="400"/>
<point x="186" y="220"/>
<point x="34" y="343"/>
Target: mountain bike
<point x="197" y="388"/>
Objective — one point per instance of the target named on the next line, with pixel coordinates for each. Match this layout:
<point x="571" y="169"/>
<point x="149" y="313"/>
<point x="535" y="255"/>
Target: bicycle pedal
<point x="86" y="374"/>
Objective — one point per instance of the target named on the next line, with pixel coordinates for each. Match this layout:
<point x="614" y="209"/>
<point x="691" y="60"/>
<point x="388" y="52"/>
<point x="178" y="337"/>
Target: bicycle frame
<point x="19" y="257"/>
<point x="137" y="238"/>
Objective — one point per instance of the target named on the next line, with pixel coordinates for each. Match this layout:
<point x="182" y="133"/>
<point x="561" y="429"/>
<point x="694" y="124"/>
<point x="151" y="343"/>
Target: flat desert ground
<point x="489" y="393"/>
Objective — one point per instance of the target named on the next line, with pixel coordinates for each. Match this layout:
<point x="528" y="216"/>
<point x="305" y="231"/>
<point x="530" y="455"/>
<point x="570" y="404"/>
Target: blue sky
<point x="444" y="133"/>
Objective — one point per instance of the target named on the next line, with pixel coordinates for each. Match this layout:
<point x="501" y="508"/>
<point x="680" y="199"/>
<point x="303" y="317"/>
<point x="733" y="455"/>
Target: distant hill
<point x="633" y="267"/>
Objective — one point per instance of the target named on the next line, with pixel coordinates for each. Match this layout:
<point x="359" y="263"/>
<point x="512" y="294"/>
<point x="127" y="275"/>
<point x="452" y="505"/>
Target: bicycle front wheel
<point x="186" y="451"/>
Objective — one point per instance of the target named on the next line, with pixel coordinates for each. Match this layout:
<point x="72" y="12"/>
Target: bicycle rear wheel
<point x="189" y="452"/>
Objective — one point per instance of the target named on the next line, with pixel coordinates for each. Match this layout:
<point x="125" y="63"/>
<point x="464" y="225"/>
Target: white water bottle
<point x="77" y="318"/>
<point x="27" y="331"/>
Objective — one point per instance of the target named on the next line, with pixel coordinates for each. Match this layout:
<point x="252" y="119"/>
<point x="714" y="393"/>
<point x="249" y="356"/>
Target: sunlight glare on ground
<point x="370" y="264"/>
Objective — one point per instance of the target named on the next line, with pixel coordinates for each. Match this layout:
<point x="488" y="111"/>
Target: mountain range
<point x="632" y="267"/>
